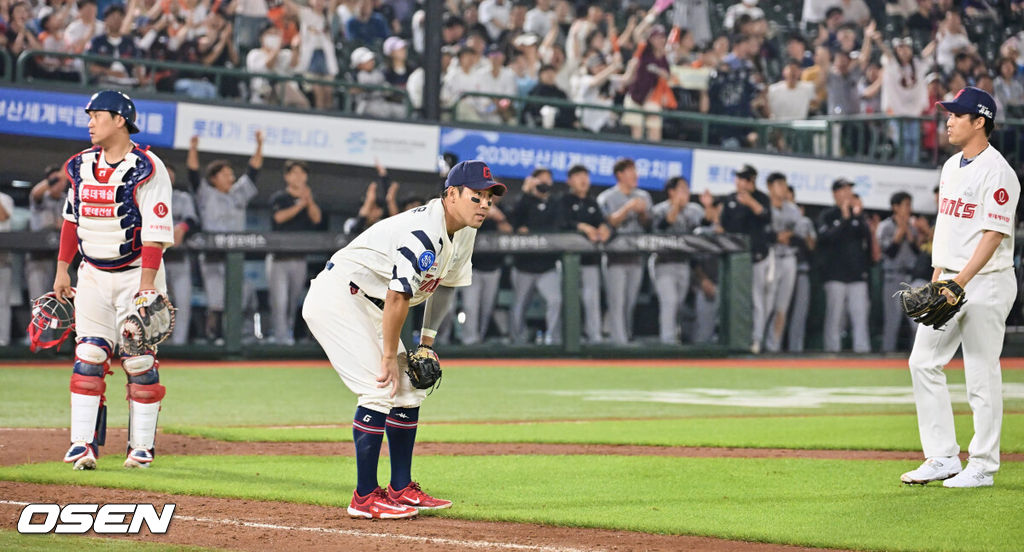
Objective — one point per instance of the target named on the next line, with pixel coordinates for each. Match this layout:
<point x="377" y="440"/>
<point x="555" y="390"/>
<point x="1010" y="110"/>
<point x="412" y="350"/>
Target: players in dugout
<point x="356" y="307"/>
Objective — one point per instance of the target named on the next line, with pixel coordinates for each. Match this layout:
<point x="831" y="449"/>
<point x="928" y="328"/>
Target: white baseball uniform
<point x="981" y="195"/>
<point x="410" y="253"/>
<point x="116" y="208"/>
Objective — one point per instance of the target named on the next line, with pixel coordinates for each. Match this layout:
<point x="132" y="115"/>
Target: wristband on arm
<point x="152" y="256"/>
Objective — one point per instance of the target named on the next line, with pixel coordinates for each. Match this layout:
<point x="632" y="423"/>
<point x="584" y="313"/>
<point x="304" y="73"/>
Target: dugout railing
<point x="345" y="91"/>
<point x="734" y="285"/>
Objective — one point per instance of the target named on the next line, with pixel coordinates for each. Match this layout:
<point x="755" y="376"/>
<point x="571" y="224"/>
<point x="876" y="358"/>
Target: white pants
<point x="847" y="299"/>
<point x="980" y="327"/>
<point x="349" y="328"/>
<point x="103" y="300"/>
<point x="893" y="317"/>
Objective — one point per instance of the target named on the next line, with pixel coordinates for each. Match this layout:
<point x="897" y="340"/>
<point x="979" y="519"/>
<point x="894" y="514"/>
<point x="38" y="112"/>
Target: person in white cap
<point x="373" y="102"/>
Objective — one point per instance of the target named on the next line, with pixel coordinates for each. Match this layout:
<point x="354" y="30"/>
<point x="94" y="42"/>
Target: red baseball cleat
<point x="413" y="495"/>
<point x="377" y="505"/>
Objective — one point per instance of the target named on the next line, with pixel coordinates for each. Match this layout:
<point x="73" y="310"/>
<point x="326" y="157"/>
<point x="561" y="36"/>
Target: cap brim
<point x="496" y="188"/>
<point x="954" y="107"/>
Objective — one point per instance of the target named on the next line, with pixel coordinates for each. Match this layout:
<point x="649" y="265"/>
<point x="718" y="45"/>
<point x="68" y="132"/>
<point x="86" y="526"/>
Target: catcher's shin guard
<point x="144" y="396"/>
<point x="88" y="403"/>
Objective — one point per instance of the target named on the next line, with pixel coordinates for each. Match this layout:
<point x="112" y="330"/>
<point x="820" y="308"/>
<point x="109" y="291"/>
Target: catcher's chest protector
<point x="102" y="202"/>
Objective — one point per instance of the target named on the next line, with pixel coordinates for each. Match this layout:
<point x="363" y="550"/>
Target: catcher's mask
<point x="52" y="321"/>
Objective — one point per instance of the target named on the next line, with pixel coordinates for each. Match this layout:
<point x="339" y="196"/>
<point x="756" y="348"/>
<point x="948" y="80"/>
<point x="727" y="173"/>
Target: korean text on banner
<point x="515" y="155"/>
<point x="62" y="115"/>
<point x="812" y="178"/>
<point x="346" y="141"/>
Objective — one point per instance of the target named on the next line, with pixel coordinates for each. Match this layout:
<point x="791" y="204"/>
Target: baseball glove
<point x="928" y="305"/>
<point x="424" y="368"/>
<point x="149" y="322"/>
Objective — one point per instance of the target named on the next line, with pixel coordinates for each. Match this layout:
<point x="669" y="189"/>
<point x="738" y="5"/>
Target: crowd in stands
<point x="777" y="61"/>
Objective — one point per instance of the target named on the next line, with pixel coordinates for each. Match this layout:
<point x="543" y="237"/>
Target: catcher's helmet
<point x="52" y="321"/>
<point x="114" y="102"/>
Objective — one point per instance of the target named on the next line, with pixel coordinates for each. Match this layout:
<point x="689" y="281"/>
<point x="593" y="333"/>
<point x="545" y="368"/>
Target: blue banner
<point x="62" y="115"/>
<point x="515" y="155"/>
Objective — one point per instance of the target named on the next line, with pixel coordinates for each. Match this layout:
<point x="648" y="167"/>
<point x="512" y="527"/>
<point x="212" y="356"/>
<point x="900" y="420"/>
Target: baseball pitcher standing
<point x="356" y="307"/>
<point x="973" y="247"/>
<point x="118" y="216"/>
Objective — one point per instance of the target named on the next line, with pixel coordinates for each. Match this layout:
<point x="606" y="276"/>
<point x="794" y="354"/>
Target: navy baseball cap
<point x="972" y="101"/>
<point x="475" y="175"/>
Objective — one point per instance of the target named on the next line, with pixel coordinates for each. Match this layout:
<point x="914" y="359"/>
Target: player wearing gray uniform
<point x="579" y="212"/>
<point x="222" y="201"/>
<point x="785" y="218"/>
<point x="534" y="213"/>
<point x="900" y="247"/>
<point x="46" y="205"/>
<point x="627" y="210"/>
<point x="178" y="261"/>
<point x="294" y="210"/>
<point x="6" y="208"/>
<point x="670" y="271"/>
<point x="802" y="289"/>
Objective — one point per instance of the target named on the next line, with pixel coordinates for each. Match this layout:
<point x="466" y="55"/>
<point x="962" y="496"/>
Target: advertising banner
<point x="62" y="115"/>
<point x="309" y="137"/>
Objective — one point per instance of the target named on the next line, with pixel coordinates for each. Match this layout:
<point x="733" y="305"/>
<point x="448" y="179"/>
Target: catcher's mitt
<point x="424" y="368"/>
<point x="928" y="305"/>
<point x="150" y="321"/>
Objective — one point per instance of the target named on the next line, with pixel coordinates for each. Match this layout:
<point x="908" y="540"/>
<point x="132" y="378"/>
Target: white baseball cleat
<point x="138" y="458"/>
<point x="82" y="455"/>
<point x="971" y="477"/>
<point x="934" y="469"/>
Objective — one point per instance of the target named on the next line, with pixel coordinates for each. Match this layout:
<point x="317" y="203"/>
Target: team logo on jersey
<point x="426" y="260"/>
<point x="160" y="209"/>
<point x="957" y="208"/>
<point x="1001" y="196"/>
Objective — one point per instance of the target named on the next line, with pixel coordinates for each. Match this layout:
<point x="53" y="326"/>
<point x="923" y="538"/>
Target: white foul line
<point x="367" y="534"/>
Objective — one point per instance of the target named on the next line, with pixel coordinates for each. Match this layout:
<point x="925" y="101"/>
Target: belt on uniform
<point x="354" y="290"/>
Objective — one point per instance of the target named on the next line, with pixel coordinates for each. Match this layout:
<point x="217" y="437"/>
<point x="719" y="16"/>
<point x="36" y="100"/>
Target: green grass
<point x="251" y="396"/>
<point x="881" y="432"/>
<point x="826" y="503"/>
<point x="11" y="541"/>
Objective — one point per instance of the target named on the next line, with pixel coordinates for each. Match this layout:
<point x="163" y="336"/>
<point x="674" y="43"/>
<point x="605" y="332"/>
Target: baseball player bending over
<point x="357" y="305"/>
<point x="118" y="216"/>
<point x="973" y="246"/>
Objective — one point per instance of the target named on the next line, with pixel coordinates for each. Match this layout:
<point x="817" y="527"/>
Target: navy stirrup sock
<point x="367" y="434"/>
<point x="401" y="430"/>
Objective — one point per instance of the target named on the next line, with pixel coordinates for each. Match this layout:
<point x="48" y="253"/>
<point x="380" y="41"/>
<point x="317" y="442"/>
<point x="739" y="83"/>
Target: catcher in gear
<point x="118" y="218"/>
<point x="933" y="304"/>
<point x="355" y="309"/>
